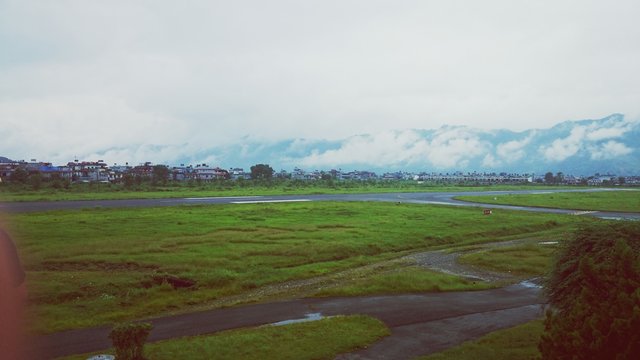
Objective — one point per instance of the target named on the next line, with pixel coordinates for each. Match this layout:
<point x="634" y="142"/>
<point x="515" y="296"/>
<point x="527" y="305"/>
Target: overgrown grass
<point x="322" y="339"/>
<point x="97" y="266"/>
<point x="10" y="192"/>
<point x="519" y="342"/>
<point x="520" y="260"/>
<point x="406" y="280"/>
<point x="626" y="201"/>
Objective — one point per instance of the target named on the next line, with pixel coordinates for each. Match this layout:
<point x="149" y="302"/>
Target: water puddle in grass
<point x="102" y="357"/>
<point x="618" y="218"/>
<point x="308" y="317"/>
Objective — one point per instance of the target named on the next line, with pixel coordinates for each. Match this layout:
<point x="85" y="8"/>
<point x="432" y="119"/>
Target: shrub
<point x="594" y="293"/>
<point x="128" y="340"/>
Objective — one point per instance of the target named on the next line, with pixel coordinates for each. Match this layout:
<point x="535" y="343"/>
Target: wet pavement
<point x="438" y="198"/>
<point x="399" y="312"/>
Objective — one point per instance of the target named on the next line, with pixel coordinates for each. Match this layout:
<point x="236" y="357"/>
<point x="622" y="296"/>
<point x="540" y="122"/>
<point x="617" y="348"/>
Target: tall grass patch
<point x="406" y="280"/>
<point x="519" y="342"/>
<point x="521" y="260"/>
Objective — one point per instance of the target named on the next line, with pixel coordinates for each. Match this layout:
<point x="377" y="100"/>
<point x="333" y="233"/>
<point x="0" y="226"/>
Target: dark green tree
<point x="20" y="175"/>
<point x="128" y="181"/>
<point x="35" y="180"/>
<point x="160" y="174"/>
<point x="128" y="340"/>
<point x="559" y="179"/>
<point x="261" y="172"/>
<point x="594" y="293"/>
<point x="549" y="178"/>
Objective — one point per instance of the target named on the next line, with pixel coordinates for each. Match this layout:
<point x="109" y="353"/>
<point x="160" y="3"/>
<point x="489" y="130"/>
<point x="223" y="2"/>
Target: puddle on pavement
<point x="530" y="284"/>
<point x="308" y="317"/>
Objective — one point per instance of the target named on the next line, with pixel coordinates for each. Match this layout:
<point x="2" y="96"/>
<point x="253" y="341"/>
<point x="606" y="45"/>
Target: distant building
<point x="88" y="171"/>
<point x="143" y="170"/>
<point x="239" y="173"/>
<point x="205" y="173"/>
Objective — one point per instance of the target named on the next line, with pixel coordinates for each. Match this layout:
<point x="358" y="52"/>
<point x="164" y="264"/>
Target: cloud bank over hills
<point x="580" y="147"/>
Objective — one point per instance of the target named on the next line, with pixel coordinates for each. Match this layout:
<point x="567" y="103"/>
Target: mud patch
<point x="92" y="266"/>
<point x="448" y="263"/>
<point x="176" y="282"/>
<point x="307" y="318"/>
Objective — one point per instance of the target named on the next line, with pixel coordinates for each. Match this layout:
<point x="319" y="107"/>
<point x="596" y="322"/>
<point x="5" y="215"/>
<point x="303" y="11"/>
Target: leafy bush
<point x="594" y="292"/>
<point x="128" y="340"/>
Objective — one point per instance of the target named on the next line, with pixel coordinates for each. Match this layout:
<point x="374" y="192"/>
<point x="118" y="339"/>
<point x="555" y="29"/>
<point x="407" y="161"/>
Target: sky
<point x="122" y="79"/>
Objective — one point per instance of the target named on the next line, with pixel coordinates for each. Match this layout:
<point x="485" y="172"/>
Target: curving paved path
<point x="419" y="323"/>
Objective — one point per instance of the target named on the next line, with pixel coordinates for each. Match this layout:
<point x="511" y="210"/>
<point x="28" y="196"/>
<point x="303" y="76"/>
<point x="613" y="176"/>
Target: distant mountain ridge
<point x="585" y="147"/>
<point x="5" y="160"/>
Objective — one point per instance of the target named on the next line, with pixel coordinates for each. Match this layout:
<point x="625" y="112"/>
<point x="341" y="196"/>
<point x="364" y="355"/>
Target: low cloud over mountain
<point x="580" y="147"/>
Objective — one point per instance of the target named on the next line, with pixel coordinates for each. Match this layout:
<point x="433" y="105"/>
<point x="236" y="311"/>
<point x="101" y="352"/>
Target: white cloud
<point x="615" y="131"/>
<point x="561" y="149"/>
<point x="449" y="148"/>
<point x="217" y="71"/>
<point x="384" y="149"/>
<point x="588" y="137"/>
<point x="82" y="126"/>
<point x="509" y="152"/>
<point x="609" y="150"/>
<point x="490" y="161"/>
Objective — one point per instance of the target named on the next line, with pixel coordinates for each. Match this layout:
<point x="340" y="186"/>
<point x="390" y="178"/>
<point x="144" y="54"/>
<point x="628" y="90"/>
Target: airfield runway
<point x="437" y="198"/>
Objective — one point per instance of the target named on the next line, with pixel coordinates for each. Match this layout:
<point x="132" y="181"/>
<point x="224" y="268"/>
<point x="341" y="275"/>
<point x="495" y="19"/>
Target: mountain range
<point x="607" y="145"/>
<point x="585" y="147"/>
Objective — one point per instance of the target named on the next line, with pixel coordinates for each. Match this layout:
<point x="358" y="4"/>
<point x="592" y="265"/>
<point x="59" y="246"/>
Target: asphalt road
<point x="441" y="198"/>
<point x="420" y="323"/>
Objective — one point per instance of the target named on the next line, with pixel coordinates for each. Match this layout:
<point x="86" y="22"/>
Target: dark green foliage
<point x="261" y="172"/>
<point x="160" y="174"/>
<point x="20" y="175"/>
<point x="594" y="292"/>
<point x="128" y="181"/>
<point x="548" y="178"/>
<point x="128" y="340"/>
<point x="35" y="180"/>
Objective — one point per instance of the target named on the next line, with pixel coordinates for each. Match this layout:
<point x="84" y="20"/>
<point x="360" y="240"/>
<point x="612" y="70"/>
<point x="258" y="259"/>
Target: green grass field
<point x="519" y="342"/>
<point x="404" y="280"/>
<point x="626" y="201"/>
<point x="526" y="260"/>
<point x="322" y="339"/>
<point x="98" y="266"/>
<point x="230" y="188"/>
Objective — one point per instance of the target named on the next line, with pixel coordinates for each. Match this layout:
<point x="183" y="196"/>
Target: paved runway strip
<point x="269" y="201"/>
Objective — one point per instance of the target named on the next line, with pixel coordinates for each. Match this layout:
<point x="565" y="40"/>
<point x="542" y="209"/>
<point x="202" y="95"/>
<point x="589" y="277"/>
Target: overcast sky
<point x="80" y="77"/>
